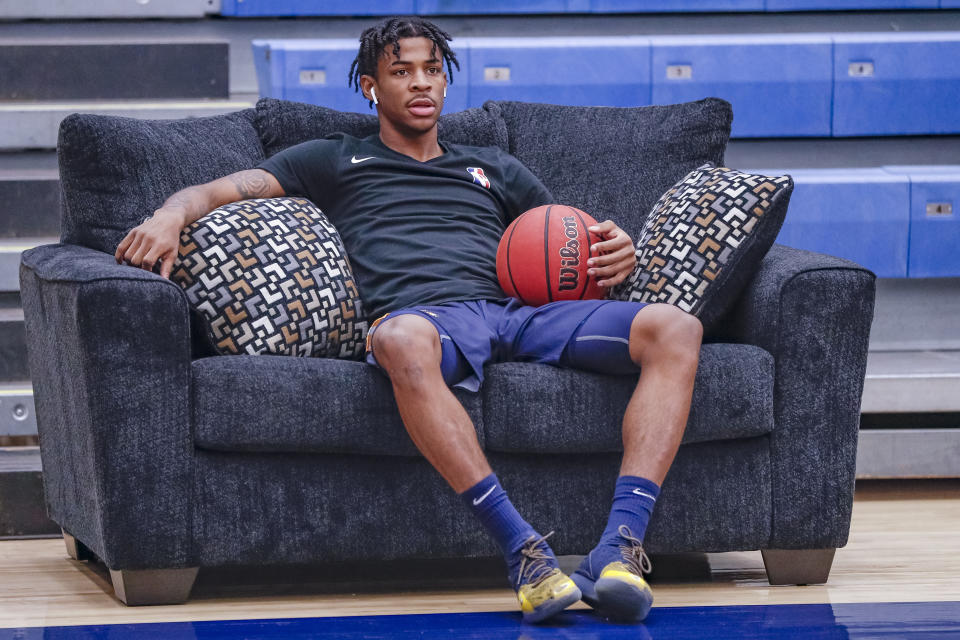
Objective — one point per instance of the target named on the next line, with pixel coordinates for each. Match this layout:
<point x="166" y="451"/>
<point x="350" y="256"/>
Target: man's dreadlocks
<point x="374" y="40"/>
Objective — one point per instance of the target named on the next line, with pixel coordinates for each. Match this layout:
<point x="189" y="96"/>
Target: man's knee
<point x="406" y="346"/>
<point x="663" y="331"/>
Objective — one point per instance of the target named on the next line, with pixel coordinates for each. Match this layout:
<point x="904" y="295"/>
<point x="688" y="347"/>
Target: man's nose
<point x="419" y="81"/>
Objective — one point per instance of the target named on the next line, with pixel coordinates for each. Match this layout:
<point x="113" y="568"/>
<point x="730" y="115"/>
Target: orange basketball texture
<point x="543" y="255"/>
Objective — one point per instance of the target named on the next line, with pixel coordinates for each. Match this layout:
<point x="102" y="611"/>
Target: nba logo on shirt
<point x="478" y="176"/>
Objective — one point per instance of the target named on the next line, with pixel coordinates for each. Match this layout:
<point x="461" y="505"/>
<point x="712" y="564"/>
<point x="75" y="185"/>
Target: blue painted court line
<point x="909" y="620"/>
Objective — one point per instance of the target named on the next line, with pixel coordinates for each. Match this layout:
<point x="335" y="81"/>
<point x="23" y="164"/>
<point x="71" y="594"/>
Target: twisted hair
<point x="374" y="40"/>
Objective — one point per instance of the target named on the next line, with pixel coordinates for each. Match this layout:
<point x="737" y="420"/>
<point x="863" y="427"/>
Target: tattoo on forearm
<point x="250" y="184"/>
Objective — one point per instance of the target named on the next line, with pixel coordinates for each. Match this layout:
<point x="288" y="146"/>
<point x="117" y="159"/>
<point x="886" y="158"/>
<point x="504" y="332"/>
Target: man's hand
<point x="155" y="239"/>
<point x="612" y="260"/>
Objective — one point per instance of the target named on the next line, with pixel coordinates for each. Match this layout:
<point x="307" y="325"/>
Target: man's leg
<point x="408" y="348"/>
<point x="665" y="343"/>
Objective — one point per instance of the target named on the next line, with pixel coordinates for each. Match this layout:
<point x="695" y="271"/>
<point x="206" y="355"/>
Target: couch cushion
<point x="537" y="408"/>
<point x="283" y="123"/>
<point x="116" y="171"/>
<point x="277" y="403"/>
<point x="616" y="162"/>
<point x="271" y="276"/>
<point x="704" y="239"/>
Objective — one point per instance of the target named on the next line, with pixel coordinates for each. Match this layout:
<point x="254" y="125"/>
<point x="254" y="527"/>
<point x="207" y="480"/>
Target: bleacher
<point x="858" y="99"/>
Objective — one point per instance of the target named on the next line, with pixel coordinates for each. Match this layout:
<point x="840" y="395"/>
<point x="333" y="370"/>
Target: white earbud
<point x="373" y="94"/>
<point x="444" y="91"/>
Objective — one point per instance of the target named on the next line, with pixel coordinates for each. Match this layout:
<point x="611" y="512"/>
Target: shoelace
<point x="538" y="568"/>
<point x="633" y="551"/>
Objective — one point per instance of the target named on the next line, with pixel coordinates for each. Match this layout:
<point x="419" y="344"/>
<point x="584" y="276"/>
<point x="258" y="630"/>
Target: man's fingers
<point x="603" y="228"/>
<point x="125" y="245"/>
<point x="166" y="264"/>
<point x="603" y="260"/>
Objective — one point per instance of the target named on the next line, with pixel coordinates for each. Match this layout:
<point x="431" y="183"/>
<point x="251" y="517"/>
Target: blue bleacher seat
<point x="316" y="71"/>
<point x="950" y="4"/>
<point x="779" y="85"/>
<point x="859" y="214"/>
<point x="844" y="5"/>
<point x="934" y="220"/>
<point x="482" y="7"/>
<point x="896" y="83"/>
<point x="605" y="71"/>
<point x="674" y="6"/>
<point x="251" y="8"/>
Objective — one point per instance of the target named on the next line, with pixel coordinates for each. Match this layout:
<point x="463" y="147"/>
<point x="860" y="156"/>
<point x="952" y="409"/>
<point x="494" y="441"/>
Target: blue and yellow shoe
<point x="542" y="589"/>
<point x="618" y="591"/>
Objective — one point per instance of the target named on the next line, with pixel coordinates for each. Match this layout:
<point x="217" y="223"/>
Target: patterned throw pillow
<point x="271" y="276"/>
<point x="704" y="238"/>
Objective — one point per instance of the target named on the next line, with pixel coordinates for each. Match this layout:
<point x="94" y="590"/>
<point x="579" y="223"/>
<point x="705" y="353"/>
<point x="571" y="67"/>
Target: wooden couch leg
<point x="153" y="586"/>
<point x="797" y="566"/>
<point x="76" y="549"/>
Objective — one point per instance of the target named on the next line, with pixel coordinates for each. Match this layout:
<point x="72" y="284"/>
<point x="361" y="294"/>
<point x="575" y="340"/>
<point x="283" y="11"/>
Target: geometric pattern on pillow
<point x="703" y="239"/>
<point x="271" y="276"/>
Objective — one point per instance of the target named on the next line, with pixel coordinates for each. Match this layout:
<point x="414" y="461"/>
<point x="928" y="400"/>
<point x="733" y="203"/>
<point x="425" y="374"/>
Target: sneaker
<point x="542" y="589"/>
<point x="619" y="591"/>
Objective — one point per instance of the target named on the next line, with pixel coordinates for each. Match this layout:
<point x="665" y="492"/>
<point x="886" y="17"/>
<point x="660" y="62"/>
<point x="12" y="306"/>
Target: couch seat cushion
<point x="537" y="408"/>
<point x="279" y="403"/>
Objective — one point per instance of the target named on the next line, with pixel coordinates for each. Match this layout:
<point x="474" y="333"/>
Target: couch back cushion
<point x="116" y="171"/>
<point x="283" y="123"/>
<point x="616" y="162"/>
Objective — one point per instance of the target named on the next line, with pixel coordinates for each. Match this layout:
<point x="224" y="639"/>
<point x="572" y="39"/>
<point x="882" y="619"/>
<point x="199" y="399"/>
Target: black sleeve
<point x="524" y="190"/>
<point x="306" y="169"/>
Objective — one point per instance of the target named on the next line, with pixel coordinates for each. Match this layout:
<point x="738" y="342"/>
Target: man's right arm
<point x="158" y="237"/>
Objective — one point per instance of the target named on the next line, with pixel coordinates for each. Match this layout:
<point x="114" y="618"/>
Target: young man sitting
<point x="422" y="233"/>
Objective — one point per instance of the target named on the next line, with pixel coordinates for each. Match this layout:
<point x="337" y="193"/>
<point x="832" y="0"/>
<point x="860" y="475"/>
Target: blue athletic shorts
<point x="593" y="335"/>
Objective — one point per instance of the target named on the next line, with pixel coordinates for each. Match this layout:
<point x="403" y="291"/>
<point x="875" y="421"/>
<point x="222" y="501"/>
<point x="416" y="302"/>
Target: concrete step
<point x="909" y="453"/>
<point x="13" y="346"/>
<point x="912" y="382"/>
<point x="35" y="125"/>
<point x="10" y="250"/>
<point x="59" y="9"/>
<point x="18" y="416"/>
<point x="23" y="512"/>
<point x="115" y="70"/>
<point x="29" y="205"/>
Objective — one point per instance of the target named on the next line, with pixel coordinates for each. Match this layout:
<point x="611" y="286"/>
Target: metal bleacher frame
<point x="914" y="366"/>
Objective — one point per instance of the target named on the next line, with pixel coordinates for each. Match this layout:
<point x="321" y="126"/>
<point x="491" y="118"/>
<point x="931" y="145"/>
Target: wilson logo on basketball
<point x="569" y="256"/>
<point x="543" y="255"/>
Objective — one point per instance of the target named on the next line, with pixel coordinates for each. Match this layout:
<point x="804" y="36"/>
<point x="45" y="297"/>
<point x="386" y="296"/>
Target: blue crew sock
<point x="489" y="502"/>
<point x="633" y="502"/>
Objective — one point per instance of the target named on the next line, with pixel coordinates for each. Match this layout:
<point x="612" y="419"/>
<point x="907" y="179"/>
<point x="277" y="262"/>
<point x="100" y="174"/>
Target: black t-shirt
<point x="417" y="233"/>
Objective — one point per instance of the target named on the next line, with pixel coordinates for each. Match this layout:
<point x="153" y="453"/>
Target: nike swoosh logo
<point x="643" y="493"/>
<point x="477" y="501"/>
<point x="356" y="160"/>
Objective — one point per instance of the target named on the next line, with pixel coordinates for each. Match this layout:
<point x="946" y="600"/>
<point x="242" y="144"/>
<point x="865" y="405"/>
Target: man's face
<point x="409" y="86"/>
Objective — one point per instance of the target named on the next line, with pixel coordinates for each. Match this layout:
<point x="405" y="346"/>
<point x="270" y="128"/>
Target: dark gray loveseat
<point x="160" y="459"/>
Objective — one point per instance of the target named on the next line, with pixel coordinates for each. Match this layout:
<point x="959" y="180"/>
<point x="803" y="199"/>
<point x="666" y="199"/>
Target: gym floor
<point x="896" y="578"/>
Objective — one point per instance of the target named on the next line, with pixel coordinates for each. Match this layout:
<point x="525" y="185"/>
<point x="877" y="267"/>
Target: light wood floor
<point x="904" y="546"/>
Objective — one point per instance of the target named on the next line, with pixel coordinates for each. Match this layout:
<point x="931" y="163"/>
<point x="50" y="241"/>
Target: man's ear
<point x="367" y="84"/>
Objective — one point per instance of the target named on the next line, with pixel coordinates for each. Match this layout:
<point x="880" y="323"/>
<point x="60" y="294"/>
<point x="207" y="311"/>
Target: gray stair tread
<point x="58" y="9"/>
<point x="17" y="411"/>
<point x="28" y="174"/>
<point x="908" y="453"/>
<point x="28" y="162"/>
<point x="19" y="459"/>
<point x="34" y="125"/>
<point x="10" y="250"/>
<point x="912" y="381"/>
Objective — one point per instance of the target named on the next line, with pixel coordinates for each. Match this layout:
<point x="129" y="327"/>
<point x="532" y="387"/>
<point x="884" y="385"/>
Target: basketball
<point x="543" y="255"/>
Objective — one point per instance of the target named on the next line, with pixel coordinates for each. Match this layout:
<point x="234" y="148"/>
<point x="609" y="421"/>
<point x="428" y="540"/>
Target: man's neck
<point x="421" y="148"/>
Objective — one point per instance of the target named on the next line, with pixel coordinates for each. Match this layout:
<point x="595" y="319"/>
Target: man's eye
<point x="400" y="72"/>
<point x="433" y="70"/>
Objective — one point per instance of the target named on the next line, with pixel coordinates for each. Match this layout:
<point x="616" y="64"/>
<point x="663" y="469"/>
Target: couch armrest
<point x="109" y="352"/>
<point x="813" y="313"/>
